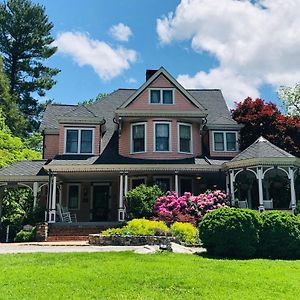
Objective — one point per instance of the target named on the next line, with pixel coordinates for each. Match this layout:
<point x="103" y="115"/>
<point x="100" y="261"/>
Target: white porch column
<point x="176" y="183"/>
<point x="35" y="193"/>
<point x="293" y="192"/>
<point x="231" y="175"/>
<point x="227" y="184"/>
<point x="52" y="206"/>
<point x="49" y="199"/>
<point x="260" y="189"/>
<point x="125" y="184"/>
<point x="121" y="213"/>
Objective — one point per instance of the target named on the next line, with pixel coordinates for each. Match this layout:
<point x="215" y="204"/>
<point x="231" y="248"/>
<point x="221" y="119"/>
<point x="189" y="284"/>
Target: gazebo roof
<point x="263" y="152"/>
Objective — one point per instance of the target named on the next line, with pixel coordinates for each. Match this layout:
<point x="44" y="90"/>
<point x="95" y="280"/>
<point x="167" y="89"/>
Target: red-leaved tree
<point x="265" y="119"/>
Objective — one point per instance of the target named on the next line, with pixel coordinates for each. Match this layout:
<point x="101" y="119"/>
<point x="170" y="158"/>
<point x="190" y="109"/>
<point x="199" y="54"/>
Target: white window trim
<point x="79" y="194"/>
<point x="79" y="140"/>
<point x="170" y="136"/>
<point x="131" y="137"/>
<point x="137" y="177"/>
<point x="163" y="177"/>
<point x="178" y="137"/>
<point x="225" y="141"/>
<point x="161" y="95"/>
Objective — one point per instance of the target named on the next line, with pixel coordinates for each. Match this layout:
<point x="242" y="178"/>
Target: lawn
<point x="154" y="276"/>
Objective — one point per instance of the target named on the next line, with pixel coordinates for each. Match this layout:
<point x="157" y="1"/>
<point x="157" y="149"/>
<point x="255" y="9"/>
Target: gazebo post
<point x="293" y="193"/>
<point x="35" y="193"/>
<point x="260" y="189"/>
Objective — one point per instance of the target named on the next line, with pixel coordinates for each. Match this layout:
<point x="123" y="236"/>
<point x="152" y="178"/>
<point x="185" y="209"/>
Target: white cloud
<point x="255" y="43"/>
<point x="121" y="32"/>
<point x="131" y="80"/>
<point x="106" y="61"/>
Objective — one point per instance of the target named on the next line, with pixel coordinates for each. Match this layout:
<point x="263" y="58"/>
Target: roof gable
<point x="171" y="79"/>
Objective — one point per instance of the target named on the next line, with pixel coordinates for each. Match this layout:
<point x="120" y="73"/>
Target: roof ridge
<point x="203" y="90"/>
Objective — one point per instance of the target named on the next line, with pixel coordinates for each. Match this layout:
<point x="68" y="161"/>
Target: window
<point x="163" y="183"/>
<point x="138" y="134"/>
<point x="162" y="137"/>
<point x="225" y="141"/>
<point x="161" y="96"/>
<point x="136" y="181"/>
<point x="79" y="141"/>
<point x="73" y="196"/>
<point x="185" y="138"/>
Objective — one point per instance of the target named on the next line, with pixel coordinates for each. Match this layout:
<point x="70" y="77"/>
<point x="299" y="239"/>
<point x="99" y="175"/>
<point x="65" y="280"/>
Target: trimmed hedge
<point x="230" y="232"/>
<point x="186" y="232"/>
<point x="243" y="233"/>
<point x="279" y="235"/>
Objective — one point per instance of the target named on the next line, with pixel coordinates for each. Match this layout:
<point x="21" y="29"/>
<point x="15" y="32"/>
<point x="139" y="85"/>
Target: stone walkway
<point x="56" y="247"/>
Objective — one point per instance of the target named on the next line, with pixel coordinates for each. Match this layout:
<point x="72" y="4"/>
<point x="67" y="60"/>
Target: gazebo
<point x="263" y="177"/>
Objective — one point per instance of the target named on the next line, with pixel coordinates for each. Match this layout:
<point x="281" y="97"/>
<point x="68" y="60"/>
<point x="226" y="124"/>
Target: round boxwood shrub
<point x="230" y="232"/>
<point x="140" y="201"/>
<point x="280" y="235"/>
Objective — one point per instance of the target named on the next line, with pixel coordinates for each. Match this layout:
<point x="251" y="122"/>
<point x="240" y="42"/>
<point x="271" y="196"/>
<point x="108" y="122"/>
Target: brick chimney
<point x="149" y="73"/>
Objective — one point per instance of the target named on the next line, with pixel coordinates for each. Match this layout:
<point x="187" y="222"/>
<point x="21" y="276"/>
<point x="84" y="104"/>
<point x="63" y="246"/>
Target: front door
<point x="101" y="200"/>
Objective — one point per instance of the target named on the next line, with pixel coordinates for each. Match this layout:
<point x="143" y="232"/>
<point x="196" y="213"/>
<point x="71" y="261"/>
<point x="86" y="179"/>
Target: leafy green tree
<point x="290" y="97"/>
<point x="25" y="43"/>
<point x="99" y="97"/>
<point x="14" y="118"/>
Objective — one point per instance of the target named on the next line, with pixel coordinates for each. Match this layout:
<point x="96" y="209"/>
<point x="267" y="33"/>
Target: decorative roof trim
<point x="155" y="113"/>
<point x="171" y="79"/>
<point x="273" y="161"/>
<point x="130" y="167"/>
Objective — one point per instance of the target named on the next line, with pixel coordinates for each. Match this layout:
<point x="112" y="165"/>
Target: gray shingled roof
<point x="212" y="100"/>
<point x="52" y="114"/>
<point x="24" y="168"/>
<point x="262" y="148"/>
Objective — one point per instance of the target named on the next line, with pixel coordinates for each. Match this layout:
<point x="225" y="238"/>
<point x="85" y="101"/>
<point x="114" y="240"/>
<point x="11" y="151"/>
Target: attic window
<point x="161" y="96"/>
<point x="79" y="140"/>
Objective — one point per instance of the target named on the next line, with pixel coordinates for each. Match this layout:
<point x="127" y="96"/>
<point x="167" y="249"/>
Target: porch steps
<point x="75" y="231"/>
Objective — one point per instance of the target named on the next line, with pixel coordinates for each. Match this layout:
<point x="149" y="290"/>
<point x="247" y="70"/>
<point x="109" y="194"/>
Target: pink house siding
<point x="125" y="141"/>
<point x="219" y="153"/>
<point x="97" y="140"/>
<point x="51" y="145"/>
<point x="142" y="101"/>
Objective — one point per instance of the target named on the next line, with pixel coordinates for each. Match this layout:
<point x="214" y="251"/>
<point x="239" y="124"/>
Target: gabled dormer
<point x="161" y="120"/>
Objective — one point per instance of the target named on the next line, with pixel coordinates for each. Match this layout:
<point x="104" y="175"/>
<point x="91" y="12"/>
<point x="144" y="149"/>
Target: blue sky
<point x="201" y="46"/>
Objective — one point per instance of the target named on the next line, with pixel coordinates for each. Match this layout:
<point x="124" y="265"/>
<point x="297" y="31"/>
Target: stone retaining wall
<point x="108" y="240"/>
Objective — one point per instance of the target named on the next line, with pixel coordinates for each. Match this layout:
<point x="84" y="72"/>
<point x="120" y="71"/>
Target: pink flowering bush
<point x="188" y="208"/>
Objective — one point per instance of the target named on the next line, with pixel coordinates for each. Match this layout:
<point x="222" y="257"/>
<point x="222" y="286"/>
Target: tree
<point x="99" y="97"/>
<point x="14" y="118"/>
<point x="25" y="43"/>
<point x="290" y="97"/>
<point x="265" y="119"/>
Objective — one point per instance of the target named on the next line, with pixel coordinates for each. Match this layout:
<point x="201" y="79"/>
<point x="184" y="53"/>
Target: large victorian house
<point x="180" y="139"/>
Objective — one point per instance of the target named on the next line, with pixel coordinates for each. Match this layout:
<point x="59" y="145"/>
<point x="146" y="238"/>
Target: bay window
<point x="162" y="137"/>
<point x="138" y="137"/>
<point x="185" y="137"/>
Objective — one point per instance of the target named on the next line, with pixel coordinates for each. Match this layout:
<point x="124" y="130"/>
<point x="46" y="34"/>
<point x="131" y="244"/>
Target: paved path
<point x="56" y="247"/>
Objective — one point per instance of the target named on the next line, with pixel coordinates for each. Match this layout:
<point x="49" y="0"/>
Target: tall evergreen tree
<point x="25" y="44"/>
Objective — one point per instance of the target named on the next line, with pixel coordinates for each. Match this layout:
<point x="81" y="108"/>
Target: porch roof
<point x="25" y="171"/>
<point x="263" y="152"/>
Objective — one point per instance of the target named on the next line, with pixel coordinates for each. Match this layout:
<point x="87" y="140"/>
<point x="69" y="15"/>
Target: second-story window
<point x="79" y="141"/>
<point x="225" y="141"/>
<point x="161" y="96"/>
<point x="138" y="133"/>
<point x="185" y="137"/>
<point x="162" y="137"/>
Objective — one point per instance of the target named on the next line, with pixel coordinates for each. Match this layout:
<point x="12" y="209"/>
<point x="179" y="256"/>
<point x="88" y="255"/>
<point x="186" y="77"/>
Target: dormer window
<point x="79" y="140"/>
<point x="161" y="96"/>
<point x="225" y="141"/>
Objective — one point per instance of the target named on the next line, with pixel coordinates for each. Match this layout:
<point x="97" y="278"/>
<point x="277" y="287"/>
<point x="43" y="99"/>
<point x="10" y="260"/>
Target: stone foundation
<point x="107" y="240"/>
<point x="41" y="232"/>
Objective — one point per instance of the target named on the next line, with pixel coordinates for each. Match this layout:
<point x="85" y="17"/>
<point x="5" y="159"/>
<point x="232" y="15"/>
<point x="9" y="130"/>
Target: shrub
<point x="140" y="201"/>
<point x="280" y="235"/>
<point x="186" y="232"/>
<point x="25" y="236"/>
<point x="230" y="232"/>
<point x="189" y="208"/>
<point x="140" y="227"/>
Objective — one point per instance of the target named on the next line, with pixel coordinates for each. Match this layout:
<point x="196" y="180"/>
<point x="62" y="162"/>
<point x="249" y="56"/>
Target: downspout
<point x="101" y="135"/>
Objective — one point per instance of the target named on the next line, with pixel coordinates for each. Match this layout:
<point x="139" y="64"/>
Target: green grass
<point x="133" y="276"/>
